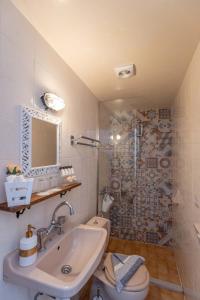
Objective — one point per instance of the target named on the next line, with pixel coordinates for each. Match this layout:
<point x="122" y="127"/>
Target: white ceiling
<point x="94" y="36"/>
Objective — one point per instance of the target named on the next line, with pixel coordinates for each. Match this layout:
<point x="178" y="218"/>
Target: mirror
<point x="44" y="143"/>
<point x="40" y="142"/>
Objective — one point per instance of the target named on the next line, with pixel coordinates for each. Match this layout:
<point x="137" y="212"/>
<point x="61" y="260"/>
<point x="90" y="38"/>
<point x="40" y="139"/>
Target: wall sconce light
<point x="52" y="101"/>
<point x="118" y="137"/>
<point x="115" y="138"/>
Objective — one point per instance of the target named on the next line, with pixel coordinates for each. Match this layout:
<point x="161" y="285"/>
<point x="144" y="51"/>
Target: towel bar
<point x="77" y="141"/>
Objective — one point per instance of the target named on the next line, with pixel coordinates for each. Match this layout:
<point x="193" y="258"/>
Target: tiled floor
<point x="160" y="262"/>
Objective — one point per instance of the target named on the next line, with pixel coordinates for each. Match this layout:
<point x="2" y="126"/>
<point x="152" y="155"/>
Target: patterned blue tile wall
<point x="140" y="160"/>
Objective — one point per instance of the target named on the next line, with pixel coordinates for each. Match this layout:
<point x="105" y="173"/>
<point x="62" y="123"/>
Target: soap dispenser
<point x="28" y="248"/>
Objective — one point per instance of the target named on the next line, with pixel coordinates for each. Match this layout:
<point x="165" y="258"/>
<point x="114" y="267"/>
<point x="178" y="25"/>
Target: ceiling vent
<point x="125" y="71"/>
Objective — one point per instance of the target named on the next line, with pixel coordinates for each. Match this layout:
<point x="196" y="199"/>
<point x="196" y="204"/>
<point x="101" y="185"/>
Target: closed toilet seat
<point x="104" y="280"/>
<point x="138" y="282"/>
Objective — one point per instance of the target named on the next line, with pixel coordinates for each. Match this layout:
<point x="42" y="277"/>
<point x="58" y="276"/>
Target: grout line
<point x="179" y="275"/>
<point x="180" y="278"/>
<point x="166" y="285"/>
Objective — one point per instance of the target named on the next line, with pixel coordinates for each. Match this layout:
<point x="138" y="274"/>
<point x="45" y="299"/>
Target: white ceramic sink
<point x="81" y="248"/>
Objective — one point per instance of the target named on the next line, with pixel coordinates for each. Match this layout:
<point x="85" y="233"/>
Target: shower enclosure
<point x="135" y="167"/>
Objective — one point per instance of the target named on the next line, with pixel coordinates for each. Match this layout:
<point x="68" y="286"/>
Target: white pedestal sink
<point x="81" y="249"/>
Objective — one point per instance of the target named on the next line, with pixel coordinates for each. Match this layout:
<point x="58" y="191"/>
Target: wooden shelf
<point x="37" y="199"/>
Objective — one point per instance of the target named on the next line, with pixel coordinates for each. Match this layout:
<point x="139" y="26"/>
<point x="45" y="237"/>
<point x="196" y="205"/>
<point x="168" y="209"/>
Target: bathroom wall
<point x="28" y="67"/>
<point x="187" y="174"/>
<point x="139" y="170"/>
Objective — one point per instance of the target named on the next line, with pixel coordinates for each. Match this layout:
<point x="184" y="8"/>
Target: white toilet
<point x="103" y="223"/>
<point x="104" y="281"/>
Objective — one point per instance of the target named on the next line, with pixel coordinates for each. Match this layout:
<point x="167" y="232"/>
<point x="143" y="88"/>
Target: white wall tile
<point x="29" y="67"/>
<point x="187" y="171"/>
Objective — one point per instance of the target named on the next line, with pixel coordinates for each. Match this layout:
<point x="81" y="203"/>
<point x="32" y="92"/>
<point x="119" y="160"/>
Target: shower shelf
<point x="35" y="198"/>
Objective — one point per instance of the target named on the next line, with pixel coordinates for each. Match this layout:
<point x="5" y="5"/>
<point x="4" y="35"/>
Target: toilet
<point x="104" y="281"/>
<point x="103" y="223"/>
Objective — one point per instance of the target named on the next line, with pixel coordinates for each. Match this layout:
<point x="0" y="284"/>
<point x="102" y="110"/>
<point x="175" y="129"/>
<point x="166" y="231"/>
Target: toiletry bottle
<point x="70" y="170"/>
<point x="66" y="171"/>
<point x="62" y="172"/>
<point x="28" y="248"/>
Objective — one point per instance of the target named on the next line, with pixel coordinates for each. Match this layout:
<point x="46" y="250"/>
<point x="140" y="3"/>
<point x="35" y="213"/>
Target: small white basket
<point x="19" y="193"/>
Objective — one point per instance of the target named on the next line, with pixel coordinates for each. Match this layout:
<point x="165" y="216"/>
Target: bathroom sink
<point x="77" y="253"/>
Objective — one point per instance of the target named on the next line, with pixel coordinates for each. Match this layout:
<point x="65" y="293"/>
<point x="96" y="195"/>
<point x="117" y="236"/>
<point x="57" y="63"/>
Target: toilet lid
<point x="138" y="282"/>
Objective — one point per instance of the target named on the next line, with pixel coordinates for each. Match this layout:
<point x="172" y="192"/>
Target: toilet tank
<point x="103" y="223"/>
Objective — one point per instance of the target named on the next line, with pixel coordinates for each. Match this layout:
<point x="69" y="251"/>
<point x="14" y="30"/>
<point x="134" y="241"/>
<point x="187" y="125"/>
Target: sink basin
<point x="81" y="249"/>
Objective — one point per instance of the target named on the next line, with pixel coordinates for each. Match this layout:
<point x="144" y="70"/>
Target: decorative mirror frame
<point x="27" y="114"/>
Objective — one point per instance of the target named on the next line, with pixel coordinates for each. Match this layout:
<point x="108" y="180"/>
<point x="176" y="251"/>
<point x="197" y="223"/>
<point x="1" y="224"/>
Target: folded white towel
<point x="125" y="267"/>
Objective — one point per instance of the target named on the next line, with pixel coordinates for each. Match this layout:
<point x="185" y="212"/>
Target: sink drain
<point x="66" y="269"/>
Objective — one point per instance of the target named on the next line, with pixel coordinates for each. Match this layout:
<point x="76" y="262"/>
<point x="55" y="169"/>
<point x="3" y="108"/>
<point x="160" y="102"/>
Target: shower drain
<point x="66" y="269"/>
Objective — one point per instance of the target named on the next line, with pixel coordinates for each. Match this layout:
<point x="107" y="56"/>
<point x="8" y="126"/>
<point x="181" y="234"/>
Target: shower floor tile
<point x="156" y="293"/>
<point x="160" y="262"/>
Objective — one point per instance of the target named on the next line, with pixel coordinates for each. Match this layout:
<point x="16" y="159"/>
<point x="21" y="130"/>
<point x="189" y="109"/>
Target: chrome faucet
<point x="56" y="226"/>
<point x="71" y="211"/>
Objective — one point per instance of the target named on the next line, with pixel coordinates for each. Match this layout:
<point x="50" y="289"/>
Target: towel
<point x="124" y="268"/>
<point x="107" y="202"/>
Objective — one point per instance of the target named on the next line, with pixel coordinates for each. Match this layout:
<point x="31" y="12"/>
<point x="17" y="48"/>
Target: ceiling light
<point x="125" y="71"/>
<point x="53" y="102"/>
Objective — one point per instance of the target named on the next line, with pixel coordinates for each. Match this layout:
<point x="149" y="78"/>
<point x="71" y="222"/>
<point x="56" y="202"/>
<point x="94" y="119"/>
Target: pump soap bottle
<point x="28" y="248"/>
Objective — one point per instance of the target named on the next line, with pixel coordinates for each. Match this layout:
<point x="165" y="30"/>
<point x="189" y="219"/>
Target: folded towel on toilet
<point x="125" y="267"/>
